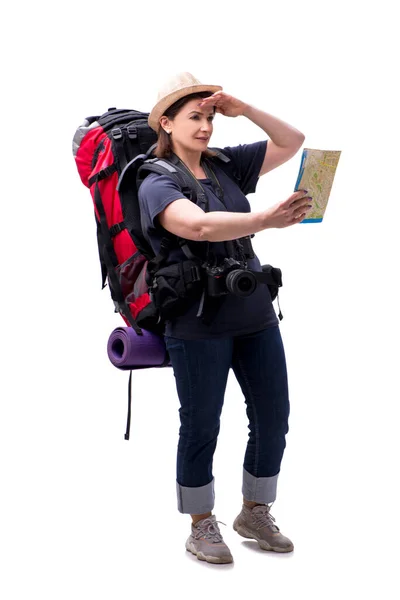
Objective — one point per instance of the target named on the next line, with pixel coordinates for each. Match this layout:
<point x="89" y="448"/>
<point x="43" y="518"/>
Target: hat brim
<point x="169" y="100"/>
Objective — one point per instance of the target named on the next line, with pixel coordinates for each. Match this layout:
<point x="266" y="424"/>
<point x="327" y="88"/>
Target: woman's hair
<point x="164" y="146"/>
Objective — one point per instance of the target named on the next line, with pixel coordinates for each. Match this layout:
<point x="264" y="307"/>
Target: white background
<point x="84" y="513"/>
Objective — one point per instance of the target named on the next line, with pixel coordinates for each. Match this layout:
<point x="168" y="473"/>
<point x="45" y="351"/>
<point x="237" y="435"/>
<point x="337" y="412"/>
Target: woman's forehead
<point x="193" y="106"/>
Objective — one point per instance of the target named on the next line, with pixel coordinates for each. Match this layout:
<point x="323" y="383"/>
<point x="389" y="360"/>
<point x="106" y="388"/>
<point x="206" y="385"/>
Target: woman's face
<point x="192" y="127"/>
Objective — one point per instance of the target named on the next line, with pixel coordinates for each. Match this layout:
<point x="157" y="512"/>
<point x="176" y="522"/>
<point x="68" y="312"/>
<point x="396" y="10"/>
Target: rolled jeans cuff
<point x="259" y="489"/>
<point x="195" y="500"/>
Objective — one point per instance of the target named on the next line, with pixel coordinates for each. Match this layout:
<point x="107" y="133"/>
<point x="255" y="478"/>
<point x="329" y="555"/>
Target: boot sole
<point x="262" y="543"/>
<point x="216" y="560"/>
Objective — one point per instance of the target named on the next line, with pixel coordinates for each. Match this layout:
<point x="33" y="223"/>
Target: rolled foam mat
<point x="128" y="350"/>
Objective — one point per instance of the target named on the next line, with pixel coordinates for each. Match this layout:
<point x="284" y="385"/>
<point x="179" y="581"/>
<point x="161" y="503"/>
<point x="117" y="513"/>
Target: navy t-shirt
<point x="237" y="315"/>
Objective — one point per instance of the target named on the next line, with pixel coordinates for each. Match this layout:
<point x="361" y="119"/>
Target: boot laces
<point x="263" y="518"/>
<point x="209" y="529"/>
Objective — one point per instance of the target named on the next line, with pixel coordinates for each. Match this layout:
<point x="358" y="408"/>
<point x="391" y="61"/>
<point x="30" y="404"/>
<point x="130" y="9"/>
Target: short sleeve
<point x="156" y="193"/>
<point x="246" y="163"/>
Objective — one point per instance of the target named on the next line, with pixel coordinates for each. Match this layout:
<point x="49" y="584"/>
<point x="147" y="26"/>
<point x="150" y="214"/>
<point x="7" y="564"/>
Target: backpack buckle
<point x="189" y="193"/>
<point x="117" y="228"/>
<point x="195" y="273"/>
<point x="132" y="132"/>
<point x="116" y="133"/>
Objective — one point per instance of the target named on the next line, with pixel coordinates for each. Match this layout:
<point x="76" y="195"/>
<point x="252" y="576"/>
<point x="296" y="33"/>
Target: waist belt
<point x="176" y="287"/>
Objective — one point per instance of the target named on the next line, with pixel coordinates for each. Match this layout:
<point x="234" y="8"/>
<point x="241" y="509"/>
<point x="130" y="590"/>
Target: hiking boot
<point x="258" y="524"/>
<point x="206" y="542"/>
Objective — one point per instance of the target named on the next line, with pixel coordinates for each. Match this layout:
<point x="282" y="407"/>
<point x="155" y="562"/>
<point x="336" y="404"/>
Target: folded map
<point x="317" y="170"/>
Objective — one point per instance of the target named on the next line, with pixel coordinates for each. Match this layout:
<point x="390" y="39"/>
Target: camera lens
<point x="241" y="283"/>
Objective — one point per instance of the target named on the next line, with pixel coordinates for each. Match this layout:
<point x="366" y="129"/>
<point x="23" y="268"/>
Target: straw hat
<point x="175" y="88"/>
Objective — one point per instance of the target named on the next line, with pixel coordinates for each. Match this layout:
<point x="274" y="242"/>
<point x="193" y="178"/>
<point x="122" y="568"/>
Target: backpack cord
<point x="128" y="423"/>
<point x="165" y="363"/>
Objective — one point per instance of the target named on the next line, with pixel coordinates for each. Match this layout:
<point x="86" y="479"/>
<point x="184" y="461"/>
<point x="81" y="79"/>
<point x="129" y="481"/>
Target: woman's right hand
<point x="289" y="212"/>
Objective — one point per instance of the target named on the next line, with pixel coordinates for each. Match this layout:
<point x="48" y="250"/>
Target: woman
<point x="243" y="333"/>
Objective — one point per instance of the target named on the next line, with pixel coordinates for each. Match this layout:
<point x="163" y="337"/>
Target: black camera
<point x="230" y="278"/>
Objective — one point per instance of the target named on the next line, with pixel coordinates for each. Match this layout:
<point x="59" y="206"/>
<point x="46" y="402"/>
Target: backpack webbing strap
<point x="128" y="422"/>
<point x="188" y="271"/>
<point x="186" y="179"/>
<point x="102" y="263"/>
<point x="104" y="233"/>
<point x="118" y="138"/>
<point x="100" y="148"/>
<point x="103" y="174"/>
<point x="219" y="192"/>
<point x="165" y="363"/>
<point x="117" y="228"/>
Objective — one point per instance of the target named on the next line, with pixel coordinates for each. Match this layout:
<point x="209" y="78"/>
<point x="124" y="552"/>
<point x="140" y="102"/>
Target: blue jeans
<point x="201" y="369"/>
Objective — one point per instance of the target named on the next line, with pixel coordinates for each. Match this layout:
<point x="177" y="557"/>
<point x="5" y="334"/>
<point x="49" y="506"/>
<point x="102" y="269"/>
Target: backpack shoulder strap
<point x="188" y="183"/>
<point x="220" y="155"/>
<point x="224" y="163"/>
<point x="191" y="189"/>
<point x="164" y="166"/>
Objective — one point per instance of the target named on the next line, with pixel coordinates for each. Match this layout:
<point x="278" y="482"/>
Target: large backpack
<point x="103" y="146"/>
<point x="111" y="152"/>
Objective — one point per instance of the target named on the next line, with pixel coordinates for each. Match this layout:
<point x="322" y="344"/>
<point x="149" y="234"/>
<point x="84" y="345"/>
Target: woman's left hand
<point x="225" y="104"/>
